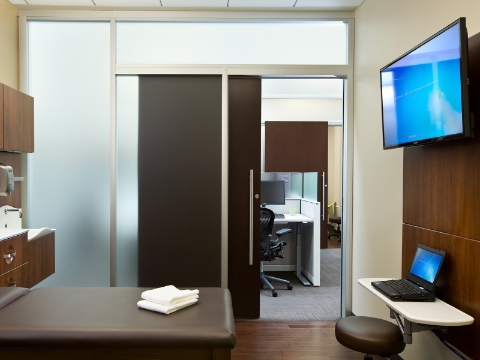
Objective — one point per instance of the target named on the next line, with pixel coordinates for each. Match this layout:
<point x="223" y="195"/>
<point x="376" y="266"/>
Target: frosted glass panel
<point x="296" y="185"/>
<point x="69" y="173"/>
<point x="310" y="185"/>
<point x="306" y="42"/>
<point x="127" y="180"/>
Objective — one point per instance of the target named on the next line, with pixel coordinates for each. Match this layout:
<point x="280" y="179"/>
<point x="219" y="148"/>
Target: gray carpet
<point x="306" y="303"/>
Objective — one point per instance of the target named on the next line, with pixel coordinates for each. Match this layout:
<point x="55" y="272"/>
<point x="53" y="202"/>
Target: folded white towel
<point x="169" y="295"/>
<point x="148" y="305"/>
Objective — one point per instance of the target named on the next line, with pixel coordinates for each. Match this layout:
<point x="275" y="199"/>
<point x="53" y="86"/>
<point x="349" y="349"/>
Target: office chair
<point x="334" y="223"/>
<point x="270" y="249"/>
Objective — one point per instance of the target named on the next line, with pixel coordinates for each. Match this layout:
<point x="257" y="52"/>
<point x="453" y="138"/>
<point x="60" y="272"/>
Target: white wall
<point x="302" y="109"/>
<point x="384" y="30"/>
<point x="8" y="44"/>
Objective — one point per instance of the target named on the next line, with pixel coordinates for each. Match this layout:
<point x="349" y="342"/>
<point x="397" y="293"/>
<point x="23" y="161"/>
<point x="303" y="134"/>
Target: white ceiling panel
<point x="131" y="3"/>
<point x="328" y="3"/>
<point x="195" y="3"/>
<point x="17" y="2"/>
<point x="61" y="2"/>
<point x="262" y="3"/>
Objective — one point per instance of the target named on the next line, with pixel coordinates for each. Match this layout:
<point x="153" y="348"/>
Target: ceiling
<point x="318" y="5"/>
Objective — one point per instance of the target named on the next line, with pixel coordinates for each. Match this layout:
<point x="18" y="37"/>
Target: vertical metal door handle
<point x="250" y="257"/>
<point x="323" y="195"/>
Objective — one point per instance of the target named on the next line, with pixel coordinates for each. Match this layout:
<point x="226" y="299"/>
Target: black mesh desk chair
<point x="334" y="224"/>
<point x="270" y="249"/>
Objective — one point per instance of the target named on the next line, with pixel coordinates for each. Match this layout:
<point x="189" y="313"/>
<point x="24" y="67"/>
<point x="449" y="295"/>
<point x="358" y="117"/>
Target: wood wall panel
<point x="441" y="203"/>
<point x="442" y="187"/>
<point x="293" y="146"/>
<point x="458" y="284"/>
<point x="14" y="160"/>
<point x="1" y="115"/>
<point x="299" y="146"/>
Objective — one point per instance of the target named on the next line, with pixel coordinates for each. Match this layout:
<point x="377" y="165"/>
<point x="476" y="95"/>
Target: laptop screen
<point x="426" y="264"/>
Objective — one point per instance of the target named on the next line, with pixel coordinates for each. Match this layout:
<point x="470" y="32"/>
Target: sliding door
<point x="179" y="180"/>
<point x="244" y="115"/>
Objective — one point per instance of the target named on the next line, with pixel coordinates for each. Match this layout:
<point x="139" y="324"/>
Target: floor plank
<point x="283" y="340"/>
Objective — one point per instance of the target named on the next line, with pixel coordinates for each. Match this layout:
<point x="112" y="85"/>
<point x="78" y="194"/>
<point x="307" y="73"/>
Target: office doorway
<point x="285" y="105"/>
<point x="302" y="101"/>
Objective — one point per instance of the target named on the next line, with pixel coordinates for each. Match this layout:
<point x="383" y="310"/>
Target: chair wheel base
<point x="274" y="294"/>
<point x="289" y="287"/>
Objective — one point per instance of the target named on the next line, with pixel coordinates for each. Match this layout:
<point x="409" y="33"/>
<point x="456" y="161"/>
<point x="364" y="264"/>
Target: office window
<point x="288" y="42"/>
<point x="69" y="175"/>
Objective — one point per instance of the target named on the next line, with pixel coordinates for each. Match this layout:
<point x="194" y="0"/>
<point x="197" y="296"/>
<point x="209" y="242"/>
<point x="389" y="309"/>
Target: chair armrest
<point x="283" y="232"/>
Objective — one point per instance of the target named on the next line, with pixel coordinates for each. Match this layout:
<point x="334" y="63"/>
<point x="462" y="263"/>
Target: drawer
<point x="12" y="252"/>
<point x="15" y="278"/>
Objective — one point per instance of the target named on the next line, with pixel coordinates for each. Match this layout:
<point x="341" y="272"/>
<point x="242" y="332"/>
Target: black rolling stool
<point x="369" y="335"/>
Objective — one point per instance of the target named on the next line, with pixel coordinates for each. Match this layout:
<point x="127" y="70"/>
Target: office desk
<point x="419" y="316"/>
<point x="297" y="220"/>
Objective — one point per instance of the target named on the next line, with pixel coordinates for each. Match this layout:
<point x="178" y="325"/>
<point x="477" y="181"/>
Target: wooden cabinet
<point x="13" y="261"/>
<point x="16" y="120"/>
<point x="25" y="263"/>
<point x="41" y="259"/>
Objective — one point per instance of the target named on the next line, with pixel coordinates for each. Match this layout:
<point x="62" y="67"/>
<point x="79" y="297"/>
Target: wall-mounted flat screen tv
<point x="425" y="91"/>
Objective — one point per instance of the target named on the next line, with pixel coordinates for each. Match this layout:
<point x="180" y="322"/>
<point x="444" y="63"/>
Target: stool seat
<point x="335" y="219"/>
<point x="369" y="335"/>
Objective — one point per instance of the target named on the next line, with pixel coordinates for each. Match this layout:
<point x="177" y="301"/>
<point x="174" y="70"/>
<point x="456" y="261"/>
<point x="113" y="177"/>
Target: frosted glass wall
<point x="310" y="186"/>
<point x="287" y="42"/>
<point x="127" y="180"/>
<point x="69" y="172"/>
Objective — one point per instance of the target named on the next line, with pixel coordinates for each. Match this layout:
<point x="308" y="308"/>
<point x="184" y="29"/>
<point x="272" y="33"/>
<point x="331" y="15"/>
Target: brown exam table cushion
<point x="109" y="317"/>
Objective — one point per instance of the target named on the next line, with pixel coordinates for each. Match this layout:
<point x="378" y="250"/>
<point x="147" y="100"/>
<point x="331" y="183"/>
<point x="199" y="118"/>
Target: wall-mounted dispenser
<point x="7" y="180"/>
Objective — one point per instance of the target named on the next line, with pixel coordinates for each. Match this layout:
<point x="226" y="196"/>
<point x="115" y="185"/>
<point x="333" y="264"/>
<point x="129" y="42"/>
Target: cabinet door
<point x="18" y="121"/>
<point x="40" y="255"/>
<point x="12" y="252"/>
<point x="15" y="278"/>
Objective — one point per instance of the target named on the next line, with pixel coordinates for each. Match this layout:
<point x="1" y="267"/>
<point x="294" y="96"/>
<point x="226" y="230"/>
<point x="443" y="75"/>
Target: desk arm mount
<point x="407" y="327"/>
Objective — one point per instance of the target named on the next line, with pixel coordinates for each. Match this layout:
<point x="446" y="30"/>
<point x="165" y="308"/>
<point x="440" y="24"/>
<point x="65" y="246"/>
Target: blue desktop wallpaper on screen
<point x="425" y="265"/>
<point x="421" y="93"/>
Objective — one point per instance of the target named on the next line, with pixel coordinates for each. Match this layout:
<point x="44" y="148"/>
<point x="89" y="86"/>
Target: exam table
<point x="105" y="323"/>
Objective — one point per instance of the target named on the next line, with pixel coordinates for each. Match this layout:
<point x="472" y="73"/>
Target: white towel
<point x="169" y="295"/>
<point x="148" y="305"/>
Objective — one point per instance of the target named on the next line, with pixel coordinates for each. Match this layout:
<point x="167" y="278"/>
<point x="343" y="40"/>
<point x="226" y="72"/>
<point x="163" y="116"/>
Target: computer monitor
<point x="272" y="192"/>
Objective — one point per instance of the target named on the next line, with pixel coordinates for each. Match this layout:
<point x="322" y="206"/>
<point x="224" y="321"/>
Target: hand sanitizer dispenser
<point x="6" y="180"/>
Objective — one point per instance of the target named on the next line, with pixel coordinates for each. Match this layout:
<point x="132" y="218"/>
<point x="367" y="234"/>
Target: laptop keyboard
<point x="404" y="287"/>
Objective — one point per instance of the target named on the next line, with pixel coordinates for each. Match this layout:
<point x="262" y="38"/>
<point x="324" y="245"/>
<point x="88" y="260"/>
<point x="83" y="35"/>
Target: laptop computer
<point x="421" y="279"/>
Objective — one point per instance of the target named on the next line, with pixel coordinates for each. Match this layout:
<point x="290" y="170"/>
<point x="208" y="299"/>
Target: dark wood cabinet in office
<point x="16" y="120"/>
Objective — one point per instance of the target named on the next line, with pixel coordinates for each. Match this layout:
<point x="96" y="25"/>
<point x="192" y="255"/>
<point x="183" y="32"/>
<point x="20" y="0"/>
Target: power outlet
<point x="284" y="177"/>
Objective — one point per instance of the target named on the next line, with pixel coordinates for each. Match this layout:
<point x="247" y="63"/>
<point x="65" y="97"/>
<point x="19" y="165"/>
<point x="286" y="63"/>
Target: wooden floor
<point x="268" y="340"/>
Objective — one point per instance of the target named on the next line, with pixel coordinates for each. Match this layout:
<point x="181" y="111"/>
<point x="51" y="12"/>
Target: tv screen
<point x="425" y="91"/>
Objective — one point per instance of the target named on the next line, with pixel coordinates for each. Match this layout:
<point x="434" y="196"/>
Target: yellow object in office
<point x="329" y="207"/>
